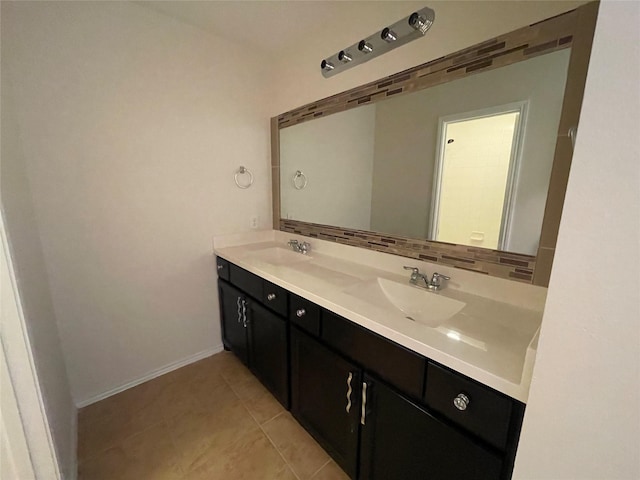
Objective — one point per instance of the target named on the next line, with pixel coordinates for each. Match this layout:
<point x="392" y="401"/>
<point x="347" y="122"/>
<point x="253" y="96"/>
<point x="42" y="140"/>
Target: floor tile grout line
<point x="264" y="432"/>
<point x="168" y="418"/>
<point x="261" y="426"/>
<point x="177" y="451"/>
<point x="239" y="401"/>
<point x="273" y="418"/>
<point x="231" y="372"/>
<point x="254" y="417"/>
<point x="244" y="402"/>
<point x="276" y="447"/>
<point x="317" y="471"/>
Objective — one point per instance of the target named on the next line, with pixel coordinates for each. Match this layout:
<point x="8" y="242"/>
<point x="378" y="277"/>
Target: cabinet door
<point x="325" y="398"/>
<point x="402" y="441"/>
<point x="234" y="331"/>
<point x="268" y="350"/>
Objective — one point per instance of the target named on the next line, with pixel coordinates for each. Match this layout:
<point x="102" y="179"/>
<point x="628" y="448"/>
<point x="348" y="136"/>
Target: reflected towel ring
<point x="573" y="131"/>
<point x="296" y="176"/>
<point x="242" y="171"/>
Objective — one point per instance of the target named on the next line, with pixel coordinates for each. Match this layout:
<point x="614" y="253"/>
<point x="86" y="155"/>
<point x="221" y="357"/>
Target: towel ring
<point x="243" y="171"/>
<point x="296" y="176"/>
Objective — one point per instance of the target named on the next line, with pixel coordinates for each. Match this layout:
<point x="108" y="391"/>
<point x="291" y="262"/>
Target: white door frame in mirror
<point x="511" y="188"/>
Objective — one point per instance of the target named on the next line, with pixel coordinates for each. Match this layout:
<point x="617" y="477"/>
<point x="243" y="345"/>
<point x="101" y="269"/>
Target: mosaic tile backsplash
<point x="481" y="260"/>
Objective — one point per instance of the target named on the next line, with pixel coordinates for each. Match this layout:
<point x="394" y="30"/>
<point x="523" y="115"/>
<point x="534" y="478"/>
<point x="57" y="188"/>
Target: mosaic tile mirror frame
<point x="574" y="30"/>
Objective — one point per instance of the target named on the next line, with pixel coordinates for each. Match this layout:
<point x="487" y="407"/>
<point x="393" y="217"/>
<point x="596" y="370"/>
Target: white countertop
<point x="491" y="339"/>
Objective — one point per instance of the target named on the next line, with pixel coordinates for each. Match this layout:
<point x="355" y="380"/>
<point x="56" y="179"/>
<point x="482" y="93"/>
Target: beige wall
<point x="35" y="295"/>
<point x="407" y="134"/>
<point x="582" y="419"/>
<point x="132" y="125"/>
<point x="336" y="155"/>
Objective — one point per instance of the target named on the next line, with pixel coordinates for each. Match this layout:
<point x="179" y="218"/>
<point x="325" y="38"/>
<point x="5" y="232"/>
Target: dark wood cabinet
<point x="268" y="347"/>
<point x="487" y="413"/>
<point x="246" y="281"/>
<point x="275" y="298"/>
<point x="394" y="363"/>
<point x="223" y="268"/>
<point x="257" y="336"/>
<point x="304" y="314"/>
<point x="382" y="411"/>
<point x="403" y="441"/>
<point x="233" y="320"/>
<point x="325" y="397"/>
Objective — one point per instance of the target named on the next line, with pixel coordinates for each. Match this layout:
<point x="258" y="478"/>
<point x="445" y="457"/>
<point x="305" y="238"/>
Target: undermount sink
<point x="279" y="256"/>
<point x="411" y="302"/>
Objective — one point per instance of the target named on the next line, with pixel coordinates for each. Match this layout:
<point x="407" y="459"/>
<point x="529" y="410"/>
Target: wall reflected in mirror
<point x="465" y="162"/>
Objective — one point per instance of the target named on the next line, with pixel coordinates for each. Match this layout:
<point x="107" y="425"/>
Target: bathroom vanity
<point x="394" y="381"/>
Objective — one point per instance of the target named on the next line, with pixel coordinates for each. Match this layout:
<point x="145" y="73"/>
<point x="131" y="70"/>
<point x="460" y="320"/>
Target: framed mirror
<point x="462" y="161"/>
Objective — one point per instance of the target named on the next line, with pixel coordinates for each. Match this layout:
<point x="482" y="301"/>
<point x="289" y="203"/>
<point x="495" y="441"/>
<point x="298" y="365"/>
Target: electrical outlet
<point x="254" y="222"/>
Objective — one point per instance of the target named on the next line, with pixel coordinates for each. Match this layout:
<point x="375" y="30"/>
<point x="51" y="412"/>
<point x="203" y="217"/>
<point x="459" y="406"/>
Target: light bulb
<point x="388" y="35"/>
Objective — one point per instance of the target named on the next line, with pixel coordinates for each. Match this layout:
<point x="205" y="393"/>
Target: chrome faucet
<point x="417" y="278"/>
<point x="302" y="248"/>
<point x="305" y="248"/>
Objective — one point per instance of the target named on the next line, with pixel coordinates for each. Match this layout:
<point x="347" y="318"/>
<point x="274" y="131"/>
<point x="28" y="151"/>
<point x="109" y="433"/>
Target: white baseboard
<point x="151" y="375"/>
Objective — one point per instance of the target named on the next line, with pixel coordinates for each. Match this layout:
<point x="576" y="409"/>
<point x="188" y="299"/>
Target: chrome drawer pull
<point x="363" y="413"/>
<point x="461" y="402"/>
<point x="220" y="267"/>
<point x="271" y="296"/>
<point x="301" y="312"/>
<point x="349" y="392"/>
<point x="239" y="309"/>
<point x="245" y="320"/>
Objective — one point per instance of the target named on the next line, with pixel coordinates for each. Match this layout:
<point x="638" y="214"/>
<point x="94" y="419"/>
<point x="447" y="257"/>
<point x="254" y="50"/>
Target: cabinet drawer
<point x="305" y="314"/>
<point x="246" y="281"/>
<point x="401" y="367"/>
<point x="487" y="413"/>
<point x="223" y="268"/>
<point x="274" y="297"/>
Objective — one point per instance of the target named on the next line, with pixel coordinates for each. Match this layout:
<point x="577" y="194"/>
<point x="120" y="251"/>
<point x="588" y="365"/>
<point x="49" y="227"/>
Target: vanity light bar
<point x="403" y="31"/>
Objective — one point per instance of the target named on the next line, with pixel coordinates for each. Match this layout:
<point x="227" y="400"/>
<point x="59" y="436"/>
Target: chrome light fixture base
<point x="392" y="36"/>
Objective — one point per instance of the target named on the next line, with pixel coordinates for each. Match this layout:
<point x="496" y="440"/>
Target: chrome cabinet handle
<point x="271" y="296"/>
<point x="349" y="378"/>
<point x="220" y="267"/>
<point x="301" y="312"/>
<point x="363" y="413"/>
<point x="238" y="300"/>
<point x="461" y="402"/>
<point x="244" y="314"/>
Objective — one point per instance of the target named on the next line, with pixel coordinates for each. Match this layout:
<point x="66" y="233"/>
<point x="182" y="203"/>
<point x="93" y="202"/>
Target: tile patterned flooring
<point x="209" y="420"/>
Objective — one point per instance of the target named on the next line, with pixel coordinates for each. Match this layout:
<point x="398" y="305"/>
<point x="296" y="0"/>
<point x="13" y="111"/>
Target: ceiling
<point x="272" y="27"/>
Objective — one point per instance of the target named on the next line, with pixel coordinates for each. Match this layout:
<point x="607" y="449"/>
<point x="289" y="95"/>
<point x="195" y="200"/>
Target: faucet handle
<point x="435" y="280"/>
<point x="292" y="242"/>
<point x="437" y="275"/>
<point x="305" y="247"/>
<point x="413" y="269"/>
